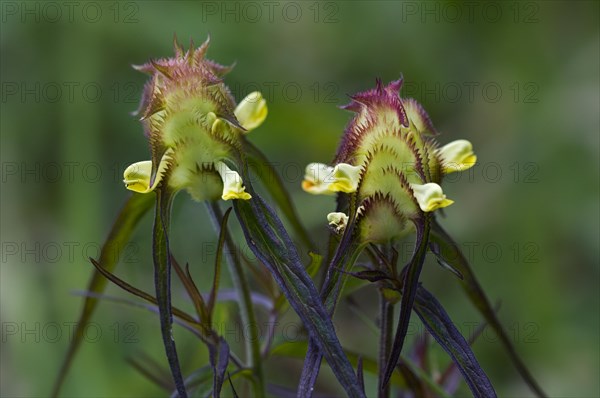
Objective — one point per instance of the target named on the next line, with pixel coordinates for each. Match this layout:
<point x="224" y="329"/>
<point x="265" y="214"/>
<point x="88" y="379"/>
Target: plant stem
<point x="162" y="282"/>
<point x="330" y="292"/>
<point x="386" y="326"/>
<point x="240" y="284"/>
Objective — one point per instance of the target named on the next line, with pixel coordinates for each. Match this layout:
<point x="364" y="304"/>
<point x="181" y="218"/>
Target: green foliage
<point x="268" y="239"/>
<point x="540" y="129"/>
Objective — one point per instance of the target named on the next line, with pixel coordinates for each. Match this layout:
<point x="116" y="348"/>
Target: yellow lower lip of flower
<point x="322" y="179"/>
<point x="236" y="195"/>
<point x="457" y="156"/>
<point x="137" y="176"/>
<point x="436" y="204"/>
<point x="346" y="178"/>
<point x="232" y="183"/>
<point x="315" y="179"/>
<point x="465" y="164"/>
<point x="316" y="189"/>
<point x="342" y="186"/>
<point x="430" y="196"/>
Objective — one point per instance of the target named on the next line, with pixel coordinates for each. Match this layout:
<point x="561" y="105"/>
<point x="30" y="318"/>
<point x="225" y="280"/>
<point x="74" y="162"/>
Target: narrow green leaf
<point x="269" y="241"/>
<point x="219" y="359"/>
<point x="450" y="378"/>
<point x="440" y="326"/>
<point x="297" y="349"/>
<point x="409" y="290"/>
<point x="240" y="283"/>
<point x="257" y="299"/>
<point x="405" y="361"/>
<point x="371" y="275"/>
<point x="134" y="209"/>
<point x="185" y="321"/>
<point x="235" y="395"/>
<point x="435" y="249"/>
<point x="310" y="370"/>
<point x="362" y="315"/>
<point x="162" y="283"/>
<point x="217" y="275"/>
<point x="281" y="391"/>
<point x="192" y="291"/>
<point x="272" y="182"/>
<point x="282" y="304"/>
<point x="200" y="382"/>
<point x="343" y="259"/>
<point x="386" y="328"/>
<point x="260" y="276"/>
<point x="454" y="256"/>
<point x="407" y="366"/>
<point x="206" y="335"/>
<point x="315" y="264"/>
<point x="414" y="383"/>
<point x="156" y="375"/>
<point x="137" y="292"/>
<point x="360" y="375"/>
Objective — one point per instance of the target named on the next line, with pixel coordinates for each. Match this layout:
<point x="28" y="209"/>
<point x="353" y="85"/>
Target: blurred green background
<point x="518" y="79"/>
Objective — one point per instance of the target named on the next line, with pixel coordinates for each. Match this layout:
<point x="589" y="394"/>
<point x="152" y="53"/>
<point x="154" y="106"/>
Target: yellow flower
<point x="232" y="183"/>
<point x="430" y="196"/>
<point x="457" y="156"/>
<point x="322" y="179"/>
<point x="252" y="111"/>
<point x="137" y="176"/>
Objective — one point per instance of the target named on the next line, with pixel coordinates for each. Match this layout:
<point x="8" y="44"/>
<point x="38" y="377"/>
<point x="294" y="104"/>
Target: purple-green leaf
<point x="272" y="182"/>
<point x="192" y="290"/>
<point x="409" y="289"/>
<point x="218" y="259"/>
<point x="440" y="326"/>
<point x="162" y="283"/>
<point x="269" y="241"/>
<point x="219" y="359"/>
<point x="345" y="255"/>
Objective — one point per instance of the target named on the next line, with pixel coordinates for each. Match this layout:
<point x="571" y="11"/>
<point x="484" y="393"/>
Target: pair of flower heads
<point x="388" y="160"/>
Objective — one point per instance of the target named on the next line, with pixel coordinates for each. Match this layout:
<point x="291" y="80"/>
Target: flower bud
<point x="337" y="221"/>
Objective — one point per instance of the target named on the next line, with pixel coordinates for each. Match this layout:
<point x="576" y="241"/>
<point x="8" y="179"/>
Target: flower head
<point x="322" y="179"/>
<point x="389" y="160"/>
<point x="194" y="128"/>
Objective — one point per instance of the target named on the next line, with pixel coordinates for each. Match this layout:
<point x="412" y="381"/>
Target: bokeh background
<point x="518" y="79"/>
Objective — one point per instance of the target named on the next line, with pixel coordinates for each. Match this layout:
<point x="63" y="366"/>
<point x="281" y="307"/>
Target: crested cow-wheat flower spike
<point x="194" y="128"/>
<point x="196" y="135"/>
<point x="390" y="160"/>
<point x="387" y="172"/>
